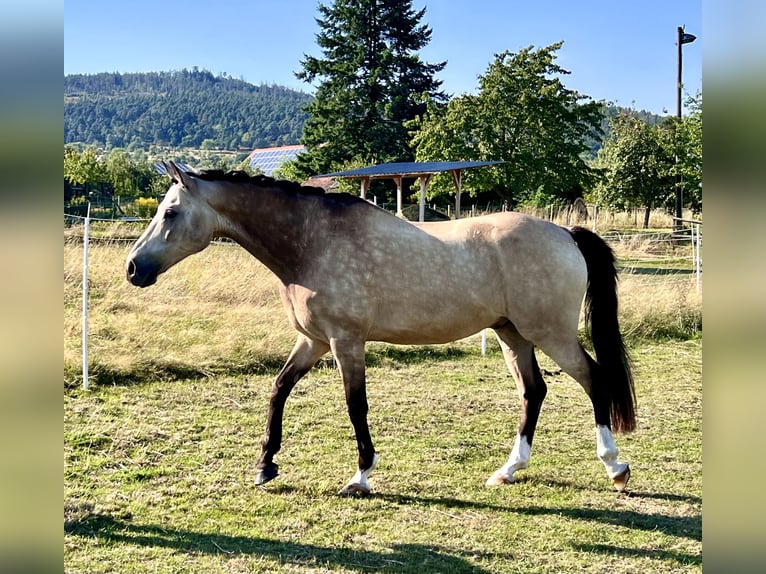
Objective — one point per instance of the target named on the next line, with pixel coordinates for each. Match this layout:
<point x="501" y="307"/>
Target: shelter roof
<point x="407" y="169"/>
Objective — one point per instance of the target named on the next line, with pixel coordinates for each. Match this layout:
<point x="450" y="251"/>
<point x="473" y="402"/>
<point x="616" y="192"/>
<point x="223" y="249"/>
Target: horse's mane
<point x="261" y="180"/>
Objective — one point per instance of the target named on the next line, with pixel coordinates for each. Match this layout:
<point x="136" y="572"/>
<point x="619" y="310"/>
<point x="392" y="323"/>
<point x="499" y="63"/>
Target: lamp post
<point x="683" y="38"/>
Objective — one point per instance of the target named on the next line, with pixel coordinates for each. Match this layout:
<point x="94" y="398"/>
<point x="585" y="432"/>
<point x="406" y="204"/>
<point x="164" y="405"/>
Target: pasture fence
<point x="642" y="253"/>
<point x="85" y="249"/>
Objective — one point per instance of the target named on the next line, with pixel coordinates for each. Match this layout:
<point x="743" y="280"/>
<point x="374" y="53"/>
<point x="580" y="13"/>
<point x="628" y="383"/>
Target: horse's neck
<point x="268" y="223"/>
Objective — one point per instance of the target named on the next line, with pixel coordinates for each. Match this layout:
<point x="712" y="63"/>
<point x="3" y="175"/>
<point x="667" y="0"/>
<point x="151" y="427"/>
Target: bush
<point x="144" y="207"/>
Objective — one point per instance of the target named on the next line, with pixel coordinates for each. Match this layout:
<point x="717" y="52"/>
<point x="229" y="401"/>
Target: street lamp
<point x="683" y="38"/>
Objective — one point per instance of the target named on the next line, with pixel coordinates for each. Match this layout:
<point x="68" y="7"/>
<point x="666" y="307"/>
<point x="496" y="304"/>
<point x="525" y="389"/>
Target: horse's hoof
<point x="266" y="474"/>
<point x="499" y="479"/>
<point x="355" y="489"/>
<point x="621" y="480"/>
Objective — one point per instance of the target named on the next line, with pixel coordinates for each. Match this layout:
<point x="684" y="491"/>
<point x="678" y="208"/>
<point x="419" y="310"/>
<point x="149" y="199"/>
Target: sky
<point x="621" y="52"/>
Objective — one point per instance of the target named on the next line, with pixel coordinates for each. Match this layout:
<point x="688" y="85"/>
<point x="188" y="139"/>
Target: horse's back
<point x="439" y="281"/>
<point x="532" y="264"/>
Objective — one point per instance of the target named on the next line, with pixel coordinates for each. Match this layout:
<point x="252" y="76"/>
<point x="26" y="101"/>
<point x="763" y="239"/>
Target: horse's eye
<point x="170" y="214"/>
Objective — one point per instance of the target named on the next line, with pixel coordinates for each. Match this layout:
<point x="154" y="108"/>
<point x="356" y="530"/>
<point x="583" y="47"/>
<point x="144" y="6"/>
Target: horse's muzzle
<point x="140" y="275"/>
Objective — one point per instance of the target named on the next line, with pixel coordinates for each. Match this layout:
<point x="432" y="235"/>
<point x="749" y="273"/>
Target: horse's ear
<point x="172" y="171"/>
<point x="177" y="174"/>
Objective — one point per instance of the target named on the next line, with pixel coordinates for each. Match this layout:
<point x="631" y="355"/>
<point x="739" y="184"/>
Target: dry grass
<point x="607" y="221"/>
<point x="219" y="310"/>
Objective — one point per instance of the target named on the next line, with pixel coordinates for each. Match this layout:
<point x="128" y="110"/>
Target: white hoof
<point x="500" y="478"/>
<point x="518" y="460"/>
<point x="358" y="485"/>
<point x="621" y="480"/>
<point x="355" y="489"/>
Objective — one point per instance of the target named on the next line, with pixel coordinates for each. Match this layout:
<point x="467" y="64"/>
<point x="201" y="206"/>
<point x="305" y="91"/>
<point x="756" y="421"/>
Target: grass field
<point x="160" y="453"/>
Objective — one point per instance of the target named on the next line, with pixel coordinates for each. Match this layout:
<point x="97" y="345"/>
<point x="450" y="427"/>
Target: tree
<point x="121" y="172"/>
<point x="688" y="142"/>
<point x="524" y="116"/>
<point x="82" y="168"/>
<point x="640" y="161"/>
<point x="637" y="162"/>
<point x="103" y="178"/>
<point x="370" y="81"/>
<point x="179" y="109"/>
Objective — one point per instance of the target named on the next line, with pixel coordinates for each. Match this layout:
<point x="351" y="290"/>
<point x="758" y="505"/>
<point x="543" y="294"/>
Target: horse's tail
<point x="615" y="380"/>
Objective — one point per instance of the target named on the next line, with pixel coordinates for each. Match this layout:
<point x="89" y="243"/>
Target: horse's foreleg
<point x="520" y="357"/>
<point x="350" y="357"/>
<point x="303" y="356"/>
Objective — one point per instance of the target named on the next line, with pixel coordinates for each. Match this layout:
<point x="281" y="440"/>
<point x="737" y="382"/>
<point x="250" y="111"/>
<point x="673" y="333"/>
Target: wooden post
<point x="457" y="176"/>
<point x="364" y="187"/>
<point x="424" y="179"/>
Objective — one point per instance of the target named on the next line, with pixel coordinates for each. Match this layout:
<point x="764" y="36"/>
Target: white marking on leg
<point x="358" y="483"/>
<point x="519" y="459"/>
<point x="608" y="452"/>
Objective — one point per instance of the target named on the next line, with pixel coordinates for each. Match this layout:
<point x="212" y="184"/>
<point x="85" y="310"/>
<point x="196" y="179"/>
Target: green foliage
<point x="370" y="80"/>
<point x="181" y="109"/>
<point x="611" y="111"/>
<point x="688" y="142"/>
<point x="105" y="177"/>
<point x="81" y="168"/>
<point x="524" y="116"/>
<point x="640" y="161"/>
<point x="636" y="163"/>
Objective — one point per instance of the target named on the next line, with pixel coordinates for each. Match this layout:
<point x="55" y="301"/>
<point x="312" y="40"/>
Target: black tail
<point x="615" y="379"/>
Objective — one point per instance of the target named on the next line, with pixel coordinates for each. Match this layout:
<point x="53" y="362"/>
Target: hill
<point x="180" y="109"/>
<point x="195" y="109"/>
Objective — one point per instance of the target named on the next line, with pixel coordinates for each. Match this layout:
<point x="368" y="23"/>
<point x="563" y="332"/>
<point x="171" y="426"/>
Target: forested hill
<point x="194" y="109"/>
<point x="181" y="108"/>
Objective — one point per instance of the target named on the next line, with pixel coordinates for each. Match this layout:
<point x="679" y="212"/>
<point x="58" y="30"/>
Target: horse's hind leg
<point x="520" y="357"/>
<point x="577" y="363"/>
<point x="304" y="355"/>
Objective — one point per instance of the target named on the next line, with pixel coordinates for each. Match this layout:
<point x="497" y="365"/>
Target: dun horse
<point x="351" y="272"/>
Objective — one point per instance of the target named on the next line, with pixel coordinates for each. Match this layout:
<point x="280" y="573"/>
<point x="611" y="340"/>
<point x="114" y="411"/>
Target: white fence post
<point x="595" y="218"/>
<point x="85" y="241"/>
<point x="698" y="257"/>
<point x="695" y="231"/>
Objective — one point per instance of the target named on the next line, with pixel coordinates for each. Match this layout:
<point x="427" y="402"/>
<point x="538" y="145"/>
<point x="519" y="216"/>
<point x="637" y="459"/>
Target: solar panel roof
<point x="270" y="159"/>
<point x="407" y="168"/>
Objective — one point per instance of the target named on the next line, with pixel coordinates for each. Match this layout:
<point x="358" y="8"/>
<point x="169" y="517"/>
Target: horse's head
<point x="184" y="224"/>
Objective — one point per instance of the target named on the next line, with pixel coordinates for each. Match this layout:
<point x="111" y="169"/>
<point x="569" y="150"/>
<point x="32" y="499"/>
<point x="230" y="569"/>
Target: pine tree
<point x="370" y="82"/>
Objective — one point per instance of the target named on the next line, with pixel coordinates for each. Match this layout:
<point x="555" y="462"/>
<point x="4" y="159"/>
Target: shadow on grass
<point x="415" y="558"/>
<point x="630" y="493"/>
<point x="158" y="369"/>
<point x="154" y="370"/>
<point x="679" y="526"/>
<point x="383" y="355"/>
<point x="606" y="549"/>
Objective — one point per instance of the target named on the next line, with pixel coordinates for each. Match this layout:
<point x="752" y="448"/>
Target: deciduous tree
<point x="523" y="115"/>
<point x="637" y="162"/>
<point x="688" y="142"/>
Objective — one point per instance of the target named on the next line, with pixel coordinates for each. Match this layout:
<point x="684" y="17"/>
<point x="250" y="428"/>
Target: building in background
<point x="269" y="159"/>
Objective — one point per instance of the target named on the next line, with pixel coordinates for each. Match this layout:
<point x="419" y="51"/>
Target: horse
<point x="350" y="272"/>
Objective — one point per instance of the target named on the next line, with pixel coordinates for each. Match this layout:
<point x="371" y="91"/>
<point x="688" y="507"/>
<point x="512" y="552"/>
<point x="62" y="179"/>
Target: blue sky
<point x="622" y="52"/>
